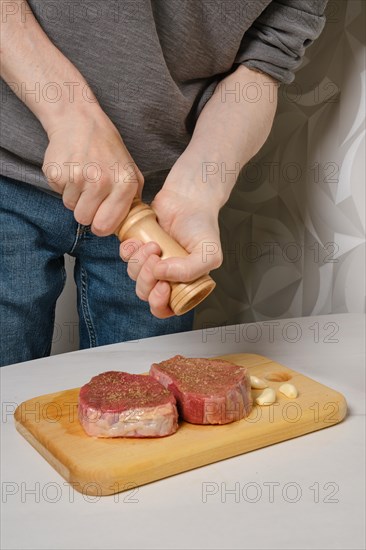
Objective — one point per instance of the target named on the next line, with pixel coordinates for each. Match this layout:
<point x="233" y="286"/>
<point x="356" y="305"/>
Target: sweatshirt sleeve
<point x="276" y="41"/>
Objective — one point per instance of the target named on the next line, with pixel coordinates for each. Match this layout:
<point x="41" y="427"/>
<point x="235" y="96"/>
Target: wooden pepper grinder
<point x="141" y="223"/>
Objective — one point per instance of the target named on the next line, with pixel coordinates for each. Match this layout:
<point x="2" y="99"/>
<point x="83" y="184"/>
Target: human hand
<point x="87" y="162"/>
<point x="227" y="134"/>
<point x="192" y="221"/>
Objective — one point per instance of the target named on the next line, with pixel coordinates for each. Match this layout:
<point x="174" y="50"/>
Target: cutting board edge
<point x="82" y="483"/>
<point x="122" y="482"/>
<point x="79" y="477"/>
<point x="43" y="451"/>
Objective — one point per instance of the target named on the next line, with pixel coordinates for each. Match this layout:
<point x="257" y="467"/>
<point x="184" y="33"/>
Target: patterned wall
<point x="293" y="231"/>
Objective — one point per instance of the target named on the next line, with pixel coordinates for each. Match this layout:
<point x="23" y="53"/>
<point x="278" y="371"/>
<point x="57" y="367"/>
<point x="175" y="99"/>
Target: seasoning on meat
<point x="208" y="391"/>
<point x="119" y="404"/>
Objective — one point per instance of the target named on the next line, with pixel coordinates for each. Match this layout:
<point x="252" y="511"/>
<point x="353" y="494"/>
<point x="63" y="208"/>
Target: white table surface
<point x="299" y="494"/>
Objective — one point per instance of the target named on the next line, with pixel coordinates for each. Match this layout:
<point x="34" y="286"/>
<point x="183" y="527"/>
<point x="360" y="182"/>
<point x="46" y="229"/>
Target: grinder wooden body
<point x="141" y="223"/>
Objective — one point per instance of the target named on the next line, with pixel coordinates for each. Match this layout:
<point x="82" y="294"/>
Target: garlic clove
<point x="267" y="397"/>
<point x="257" y="383"/>
<point x="289" y="390"/>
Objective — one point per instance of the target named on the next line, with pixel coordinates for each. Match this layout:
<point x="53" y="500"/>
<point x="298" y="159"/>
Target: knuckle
<point x="186" y="273"/>
<point x="154" y="307"/>
<point x="156" y="313"/>
<point x="77" y="177"/>
<point x="141" y="294"/>
<point x="55" y="181"/>
<point x="147" y="252"/>
<point x="92" y="172"/>
<point x="52" y="171"/>
<point x="69" y="204"/>
<point x="139" y="174"/>
<point x="130" y="272"/>
<point x="100" y="229"/>
<point x="82" y="219"/>
<point x="150" y="262"/>
<point x="123" y="189"/>
<point x="144" y="275"/>
<point x="100" y="185"/>
<point x="159" y="313"/>
<point x="217" y="260"/>
<point x="145" y="279"/>
<point x="56" y="186"/>
<point x="131" y="175"/>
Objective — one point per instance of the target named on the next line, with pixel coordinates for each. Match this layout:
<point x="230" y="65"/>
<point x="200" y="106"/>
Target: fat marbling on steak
<point x="119" y="404"/>
<point x="208" y="391"/>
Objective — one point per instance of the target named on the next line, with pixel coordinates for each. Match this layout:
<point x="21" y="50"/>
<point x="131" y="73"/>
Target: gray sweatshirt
<point x="153" y="64"/>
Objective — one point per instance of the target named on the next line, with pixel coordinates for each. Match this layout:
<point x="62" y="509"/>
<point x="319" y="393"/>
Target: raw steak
<point x="208" y="391"/>
<point x="119" y="404"/>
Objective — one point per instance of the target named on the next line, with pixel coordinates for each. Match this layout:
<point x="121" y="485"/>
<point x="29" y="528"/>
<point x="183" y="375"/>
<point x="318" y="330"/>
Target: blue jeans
<point x="36" y="231"/>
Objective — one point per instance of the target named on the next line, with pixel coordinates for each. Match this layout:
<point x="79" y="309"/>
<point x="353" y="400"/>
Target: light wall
<point x="293" y="231"/>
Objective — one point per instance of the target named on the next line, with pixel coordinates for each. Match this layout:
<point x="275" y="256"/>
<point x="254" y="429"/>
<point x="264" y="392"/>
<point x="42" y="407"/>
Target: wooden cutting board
<point x="107" y="466"/>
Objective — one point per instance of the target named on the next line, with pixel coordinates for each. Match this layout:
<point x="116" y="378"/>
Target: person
<point x="167" y="99"/>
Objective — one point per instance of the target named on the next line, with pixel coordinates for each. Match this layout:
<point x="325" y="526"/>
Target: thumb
<point x="205" y="257"/>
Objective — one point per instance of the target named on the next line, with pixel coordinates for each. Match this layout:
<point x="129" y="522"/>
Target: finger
<point x="159" y="300"/>
<point x="138" y="259"/>
<point x="73" y="188"/>
<point x="92" y="195"/>
<point x="53" y="173"/>
<point x="186" y="269"/>
<point x="146" y="281"/>
<point x="128" y="248"/>
<point x="113" y="210"/>
<point x="70" y="196"/>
